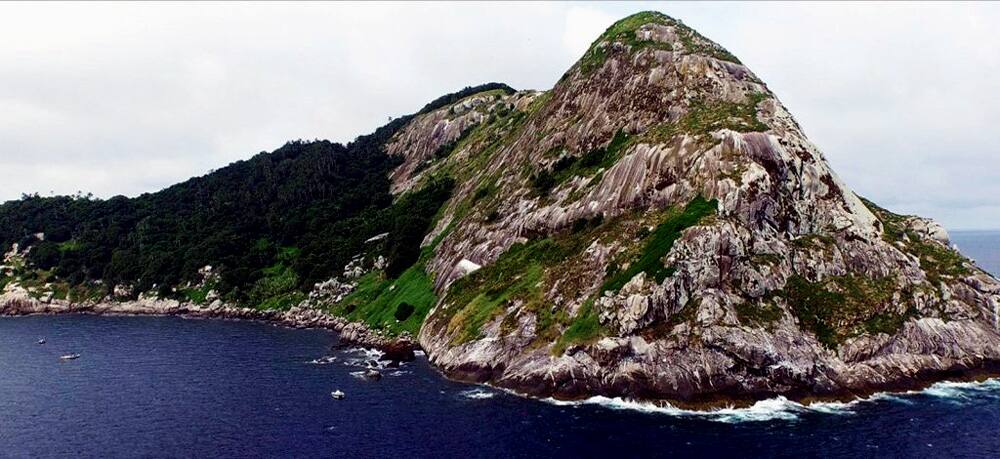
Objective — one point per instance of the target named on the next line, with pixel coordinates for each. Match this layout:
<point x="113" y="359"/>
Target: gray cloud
<point x="129" y="98"/>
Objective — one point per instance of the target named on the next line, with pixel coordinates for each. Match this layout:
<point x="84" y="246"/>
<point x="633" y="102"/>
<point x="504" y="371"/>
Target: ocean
<point x="174" y="387"/>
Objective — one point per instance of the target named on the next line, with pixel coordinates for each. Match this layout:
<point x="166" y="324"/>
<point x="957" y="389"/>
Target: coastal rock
<point x="791" y="285"/>
<point x="18" y="302"/>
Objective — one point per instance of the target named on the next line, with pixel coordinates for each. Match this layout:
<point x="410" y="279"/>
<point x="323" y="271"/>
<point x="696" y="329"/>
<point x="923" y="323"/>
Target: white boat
<point x="69" y="357"/>
<point x="41" y="341"/>
<point x="337" y="395"/>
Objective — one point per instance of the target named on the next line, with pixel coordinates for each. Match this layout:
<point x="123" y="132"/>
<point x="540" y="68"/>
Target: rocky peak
<point x="658" y="224"/>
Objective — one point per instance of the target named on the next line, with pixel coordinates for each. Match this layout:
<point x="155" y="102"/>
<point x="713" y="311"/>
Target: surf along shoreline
<point x="403" y="348"/>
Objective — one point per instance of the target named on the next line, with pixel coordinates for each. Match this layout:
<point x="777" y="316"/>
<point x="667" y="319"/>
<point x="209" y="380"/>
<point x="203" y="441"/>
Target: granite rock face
<point x="789" y="284"/>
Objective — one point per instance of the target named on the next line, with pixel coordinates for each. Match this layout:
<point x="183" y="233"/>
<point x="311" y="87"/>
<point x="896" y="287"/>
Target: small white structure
<point x="466" y="267"/>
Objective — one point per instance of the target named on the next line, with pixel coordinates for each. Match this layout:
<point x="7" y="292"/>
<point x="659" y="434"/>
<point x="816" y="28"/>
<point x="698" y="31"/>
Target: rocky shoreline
<point x="13" y="304"/>
<point x="19" y="303"/>
<point x="707" y="402"/>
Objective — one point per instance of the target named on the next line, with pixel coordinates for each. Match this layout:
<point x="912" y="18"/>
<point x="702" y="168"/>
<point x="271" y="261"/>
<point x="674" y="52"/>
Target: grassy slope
<point x="523" y="273"/>
<point x="376" y="298"/>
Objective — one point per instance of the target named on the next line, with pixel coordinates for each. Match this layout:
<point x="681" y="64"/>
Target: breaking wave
<point x="365" y="358"/>
<point x="779" y="408"/>
<point x="961" y="392"/>
<point x="477" y="394"/>
<point x="323" y="360"/>
<point x="782" y="409"/>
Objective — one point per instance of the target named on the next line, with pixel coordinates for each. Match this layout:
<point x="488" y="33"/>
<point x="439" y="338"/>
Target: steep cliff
<point x="657" y="225"/>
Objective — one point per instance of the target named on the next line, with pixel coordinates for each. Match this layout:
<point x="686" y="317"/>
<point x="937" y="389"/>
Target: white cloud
<point x="583" y="26"/>
<point x="123" y="98"/>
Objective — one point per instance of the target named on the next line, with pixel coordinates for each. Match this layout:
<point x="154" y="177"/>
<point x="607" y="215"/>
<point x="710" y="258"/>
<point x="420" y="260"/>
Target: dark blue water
<point x="171" y="387"/>
<point x="982" y="246"/>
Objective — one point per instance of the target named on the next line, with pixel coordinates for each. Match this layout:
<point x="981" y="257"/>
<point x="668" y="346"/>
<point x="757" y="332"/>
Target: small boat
<point x="41" y="341"/>
<point x="337" y="395"/>
<point x="69" y="357"/>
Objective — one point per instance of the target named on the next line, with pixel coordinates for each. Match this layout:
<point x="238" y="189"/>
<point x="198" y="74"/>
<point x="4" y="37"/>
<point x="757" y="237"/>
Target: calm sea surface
<point x="171" y="387"/>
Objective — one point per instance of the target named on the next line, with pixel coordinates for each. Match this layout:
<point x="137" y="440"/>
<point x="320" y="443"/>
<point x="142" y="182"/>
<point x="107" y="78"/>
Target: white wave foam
<point x="778" y="408"/>
<point x="323" y="360"/>
<point x="365" y="358"/>
<point x="367" y="353"/>
<point x="901" y="398"/>
<point x="477" y="394"/>
<point x="964" y="391"/>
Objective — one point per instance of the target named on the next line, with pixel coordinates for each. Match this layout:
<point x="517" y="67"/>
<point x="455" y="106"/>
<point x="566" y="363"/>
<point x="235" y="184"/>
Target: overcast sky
<point x="904" y="99"/>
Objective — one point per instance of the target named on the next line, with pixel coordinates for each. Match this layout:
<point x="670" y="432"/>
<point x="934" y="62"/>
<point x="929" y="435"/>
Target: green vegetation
<point x="771" y="259"/>
<point x="69" y="246"/>
<point x="377" y="301"/>
<point x="403" y="311"/>
<point x="704" y="117"/>
<point x="475" y="299"/>
<point x="814" y="241"/>
<point x="843" y="306"/>
<point x="888" y="323"/>
<point x="198" y="294"/>
<point x="449" y="99"/>
<point x="482" y="142"/>
<point x="659" y="243"/>
<point x="523" y="273"/>
<point x="586" y="327"/>
<point x="538" y="102"/>
<point x="764" y="313"/>
<point x="484" y="191"/>
<point x="411" y="217"/>
<point x="584" y="166"/>
<point x="277" y="288"/>
<point x="624" y="31"/>
<point x="938" y="261"/>
<point x="272" y="225"/>
<point x="520" y="275"/>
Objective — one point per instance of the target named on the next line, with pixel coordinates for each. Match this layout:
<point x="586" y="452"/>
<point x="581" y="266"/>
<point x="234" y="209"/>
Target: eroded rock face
<point x="793" y="285"/>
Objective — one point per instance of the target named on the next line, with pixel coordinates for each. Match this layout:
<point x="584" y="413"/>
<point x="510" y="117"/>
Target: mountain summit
<point x="655" y="226"/>
<point x="658" y="225"/>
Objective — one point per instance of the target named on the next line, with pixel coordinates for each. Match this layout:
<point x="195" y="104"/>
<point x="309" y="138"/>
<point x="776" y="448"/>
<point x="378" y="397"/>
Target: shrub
<point x="403" y="311"/>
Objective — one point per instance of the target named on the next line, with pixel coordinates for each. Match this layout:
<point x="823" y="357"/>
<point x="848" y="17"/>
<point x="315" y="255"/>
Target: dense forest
<point x="272" y="225"/>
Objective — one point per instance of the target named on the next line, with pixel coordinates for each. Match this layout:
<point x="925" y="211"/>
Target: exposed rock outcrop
<point x="785" y="283"/>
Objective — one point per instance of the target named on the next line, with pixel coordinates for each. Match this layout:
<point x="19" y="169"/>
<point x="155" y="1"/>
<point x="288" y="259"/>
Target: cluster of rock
<point x="332" y="291"/>
<point x="16" y="301"/>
